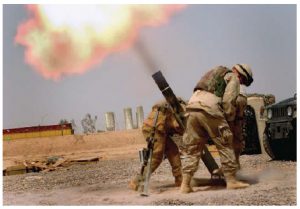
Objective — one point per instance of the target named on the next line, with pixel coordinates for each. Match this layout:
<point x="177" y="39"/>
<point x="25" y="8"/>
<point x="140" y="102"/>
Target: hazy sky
<point x="195" y="40"/>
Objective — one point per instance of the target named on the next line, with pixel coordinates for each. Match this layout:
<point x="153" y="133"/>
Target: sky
<point x="194" y="40"/>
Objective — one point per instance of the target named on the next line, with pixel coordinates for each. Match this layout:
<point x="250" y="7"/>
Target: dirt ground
<point x="106" y="182"/>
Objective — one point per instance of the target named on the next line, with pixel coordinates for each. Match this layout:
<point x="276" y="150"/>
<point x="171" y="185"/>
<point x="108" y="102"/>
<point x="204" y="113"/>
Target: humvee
<point x="279" y="137"/>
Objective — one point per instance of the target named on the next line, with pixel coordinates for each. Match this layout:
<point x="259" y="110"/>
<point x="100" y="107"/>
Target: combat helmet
<point x="246" y="72"/>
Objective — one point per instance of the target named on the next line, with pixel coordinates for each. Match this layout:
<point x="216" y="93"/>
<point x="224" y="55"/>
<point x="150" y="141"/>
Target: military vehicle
<point x="255" y="122"/>
<point x="279" y="138"/>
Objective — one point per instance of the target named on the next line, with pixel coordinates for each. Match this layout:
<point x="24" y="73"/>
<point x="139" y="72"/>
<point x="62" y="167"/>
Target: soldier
<point x="211" y="107"/>
<point x="166" y="126"/>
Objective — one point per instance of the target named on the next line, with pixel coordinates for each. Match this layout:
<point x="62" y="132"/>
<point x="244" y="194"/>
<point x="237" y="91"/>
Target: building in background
<point x="38" y="131"/>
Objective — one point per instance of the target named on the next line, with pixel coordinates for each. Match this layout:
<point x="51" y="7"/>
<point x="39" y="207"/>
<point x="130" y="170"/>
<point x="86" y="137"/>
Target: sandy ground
<point x="106" y="181"/>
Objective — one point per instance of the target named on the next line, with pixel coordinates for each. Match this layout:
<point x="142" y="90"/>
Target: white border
<point x="146" y="2"/>
<point x="135" y="2"/>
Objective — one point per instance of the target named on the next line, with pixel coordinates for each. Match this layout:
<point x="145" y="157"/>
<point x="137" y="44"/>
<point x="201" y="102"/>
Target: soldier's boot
<point x="186" y="184"/>
<point x="135" y="182"/>
<point x="233" y="183"/>
<point x="178" y="181"/>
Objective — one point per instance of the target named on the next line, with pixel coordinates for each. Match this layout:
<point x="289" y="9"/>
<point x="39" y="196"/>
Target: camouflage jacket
<point x="166" y="122"/>
<point x="219" y="99"/>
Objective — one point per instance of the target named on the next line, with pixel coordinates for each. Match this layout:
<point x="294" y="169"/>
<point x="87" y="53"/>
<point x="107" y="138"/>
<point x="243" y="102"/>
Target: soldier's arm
<point x="230" y="95"/>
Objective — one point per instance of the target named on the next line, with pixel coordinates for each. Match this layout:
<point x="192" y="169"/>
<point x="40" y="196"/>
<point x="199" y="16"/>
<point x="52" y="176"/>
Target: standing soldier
<point x="210" y="109"/>
<point x="166" y="126"/>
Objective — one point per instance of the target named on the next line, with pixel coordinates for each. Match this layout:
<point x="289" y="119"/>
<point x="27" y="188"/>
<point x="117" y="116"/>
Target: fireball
<point x="62" y="40"/>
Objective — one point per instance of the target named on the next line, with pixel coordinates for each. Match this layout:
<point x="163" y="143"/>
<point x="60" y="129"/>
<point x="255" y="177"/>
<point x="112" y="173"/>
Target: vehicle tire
<point x="267" y="146"/>
<point x="282" y="149"/>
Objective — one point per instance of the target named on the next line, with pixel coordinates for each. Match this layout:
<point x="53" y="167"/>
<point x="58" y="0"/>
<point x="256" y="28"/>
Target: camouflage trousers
<point x="201" y="126"/>
<point x="164" y="145"/>
<point x="236" y="126"/>
<point x="238" y="142"/>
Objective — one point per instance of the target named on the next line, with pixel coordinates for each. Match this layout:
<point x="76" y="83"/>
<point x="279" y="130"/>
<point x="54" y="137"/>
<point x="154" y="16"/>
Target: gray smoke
<point x="146" y="57"/>
<point x="268" y="174"/>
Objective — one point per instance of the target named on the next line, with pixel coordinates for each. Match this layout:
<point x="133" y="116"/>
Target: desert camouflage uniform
<point x="166" y="126"/>
<point x="236" y="127"/>
<point x="209" y="110"/>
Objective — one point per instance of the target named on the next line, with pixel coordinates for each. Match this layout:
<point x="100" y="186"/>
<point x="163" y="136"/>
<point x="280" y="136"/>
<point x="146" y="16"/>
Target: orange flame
<point x="63" y="41"/>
